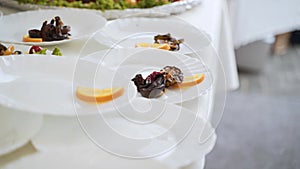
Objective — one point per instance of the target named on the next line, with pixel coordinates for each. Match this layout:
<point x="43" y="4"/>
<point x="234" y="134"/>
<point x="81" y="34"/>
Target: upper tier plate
<point x="127" y="32"/>
<point x="82" y="23"/>
<point x="44" y="84"/>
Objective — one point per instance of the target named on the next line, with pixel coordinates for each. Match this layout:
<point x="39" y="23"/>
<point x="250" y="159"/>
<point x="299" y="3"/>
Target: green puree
<point x="56" y="51"/>
<point x="98" y="4"/>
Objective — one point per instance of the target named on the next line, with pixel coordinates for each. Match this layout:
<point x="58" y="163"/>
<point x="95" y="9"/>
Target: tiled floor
<point x="260" y="125"/>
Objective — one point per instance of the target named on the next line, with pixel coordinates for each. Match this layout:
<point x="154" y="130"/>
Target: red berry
<point x="34" y="49"/>
<point x="154" y="74"/>
<point x="150" y="78"/>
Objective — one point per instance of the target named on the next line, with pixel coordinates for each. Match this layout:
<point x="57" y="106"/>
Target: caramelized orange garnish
<point x="10" y="50"/>
<point x="189" y="81"/>
<point x="98" y="95"/>
<point x="154" y="45"/>
<point x="26" y="38"/>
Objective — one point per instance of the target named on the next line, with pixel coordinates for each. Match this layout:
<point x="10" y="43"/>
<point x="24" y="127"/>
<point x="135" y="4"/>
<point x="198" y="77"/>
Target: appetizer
<point x="39" y="50"/>
<point x="10" y="50"/>
<point x="173" y="75"/>
<point x="166" y="42"/>
<point x="53" y="31"/>
<point x="154" y="85"/>
<point x="93" y="95"/>
<point x="151" y="87"/>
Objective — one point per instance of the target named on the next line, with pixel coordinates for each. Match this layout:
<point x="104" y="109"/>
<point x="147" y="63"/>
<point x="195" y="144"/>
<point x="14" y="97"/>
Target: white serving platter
<point x="15" y="26"/>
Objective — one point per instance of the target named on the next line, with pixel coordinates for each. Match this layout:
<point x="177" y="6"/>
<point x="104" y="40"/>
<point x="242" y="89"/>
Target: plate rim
<point x="205" y="147"/>
<point x="113" y="40"/>
<point x="91" y="58"/>
<point x="18" y="143"/>
<point x="62" y="60"/>
<point x="100" y="18"/>
<point x="7" y="60"/>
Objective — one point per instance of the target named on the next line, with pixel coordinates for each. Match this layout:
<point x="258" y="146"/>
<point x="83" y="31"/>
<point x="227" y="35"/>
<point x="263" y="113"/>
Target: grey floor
<point x="260" y="126"/>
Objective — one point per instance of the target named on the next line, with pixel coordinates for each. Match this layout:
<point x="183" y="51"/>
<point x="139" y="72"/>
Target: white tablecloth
<point x="212" y="16"/>
<point x="255" y="20"/>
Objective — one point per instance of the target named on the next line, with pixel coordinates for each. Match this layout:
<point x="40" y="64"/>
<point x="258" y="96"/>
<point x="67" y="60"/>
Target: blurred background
<point x="259" y="128"/>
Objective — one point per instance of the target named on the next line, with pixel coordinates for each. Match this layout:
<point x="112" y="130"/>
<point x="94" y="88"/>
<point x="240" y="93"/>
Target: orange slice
<point x="154" y="45"/>
<point x="98" y="95"/>
<point x="189" y="81"/>
<point x="26" y="38"/>
<point x="143" y="44"/>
